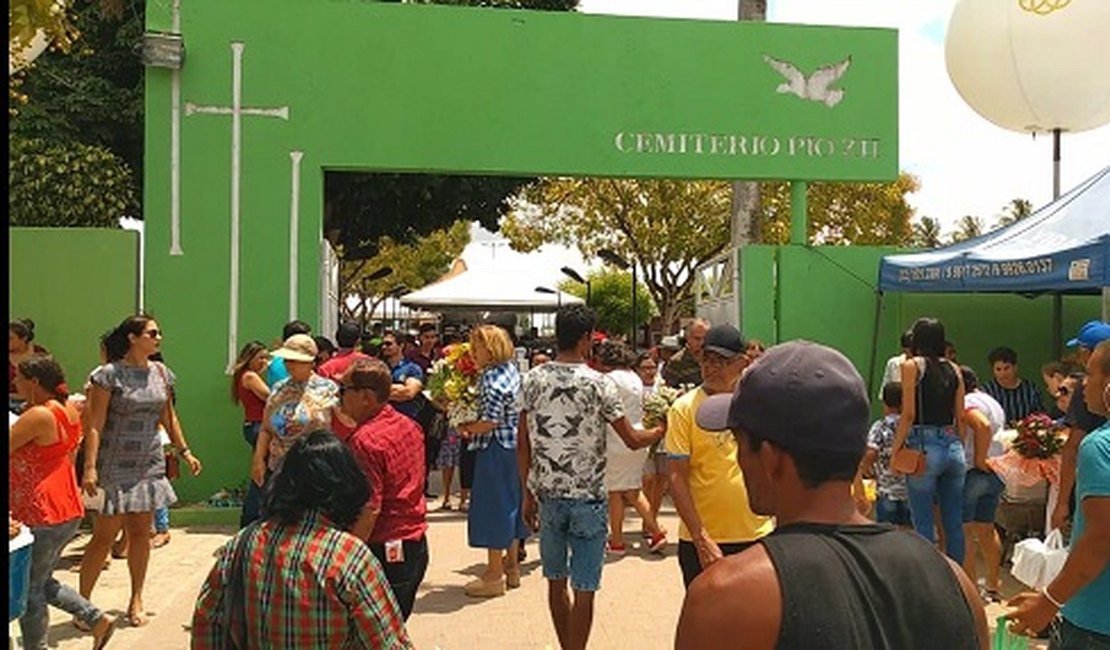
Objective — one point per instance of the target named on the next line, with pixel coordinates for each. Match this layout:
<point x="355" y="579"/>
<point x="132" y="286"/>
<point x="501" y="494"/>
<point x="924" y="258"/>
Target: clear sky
<point x="966" y="164"/>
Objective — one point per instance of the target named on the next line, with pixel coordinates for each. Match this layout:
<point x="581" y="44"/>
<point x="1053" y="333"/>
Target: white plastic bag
<point x="1037" y="563"/>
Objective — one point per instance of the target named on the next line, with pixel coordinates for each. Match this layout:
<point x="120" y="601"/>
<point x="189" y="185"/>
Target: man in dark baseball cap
<point x="827" y="577"/>
<point x="706" y="485"/>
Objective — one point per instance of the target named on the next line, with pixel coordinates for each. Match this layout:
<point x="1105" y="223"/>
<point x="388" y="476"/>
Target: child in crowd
<point x="892" y="503"/>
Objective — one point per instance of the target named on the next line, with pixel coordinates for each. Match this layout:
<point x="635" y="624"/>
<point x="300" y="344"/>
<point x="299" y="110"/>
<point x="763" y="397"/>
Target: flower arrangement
<point x="1032" y="456"/>
<point x="658" y="402"/>
<point x="453" y="380"/>
<point x="1038" y="436"/>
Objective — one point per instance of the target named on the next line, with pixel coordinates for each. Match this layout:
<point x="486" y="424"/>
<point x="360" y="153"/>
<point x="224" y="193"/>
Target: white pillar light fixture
<point x="163" y="50"/>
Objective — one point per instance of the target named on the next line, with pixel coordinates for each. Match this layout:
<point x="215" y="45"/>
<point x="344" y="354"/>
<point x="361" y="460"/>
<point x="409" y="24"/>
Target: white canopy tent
<point x="487" y="290"/>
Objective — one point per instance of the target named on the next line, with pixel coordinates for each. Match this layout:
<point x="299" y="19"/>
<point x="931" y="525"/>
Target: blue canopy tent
<point x="1061" y="249"/>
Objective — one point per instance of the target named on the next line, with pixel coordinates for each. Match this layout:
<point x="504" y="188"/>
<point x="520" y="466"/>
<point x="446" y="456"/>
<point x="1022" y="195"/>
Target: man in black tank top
<point x="827" y="577"/>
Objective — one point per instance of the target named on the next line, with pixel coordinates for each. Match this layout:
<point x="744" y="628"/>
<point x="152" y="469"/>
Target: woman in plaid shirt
<point x="494" y="520"/>
<point x="300" y="581"/>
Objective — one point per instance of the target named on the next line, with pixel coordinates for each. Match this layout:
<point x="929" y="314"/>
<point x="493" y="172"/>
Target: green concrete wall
<point x="75" y="283"/>
<point x="828" y="294"/>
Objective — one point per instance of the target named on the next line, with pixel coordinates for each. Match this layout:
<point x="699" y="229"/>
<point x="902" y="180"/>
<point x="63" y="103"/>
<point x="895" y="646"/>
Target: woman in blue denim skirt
<point x="932" y="419"/>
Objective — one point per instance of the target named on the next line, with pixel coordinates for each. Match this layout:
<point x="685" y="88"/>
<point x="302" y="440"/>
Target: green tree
<point x="1015" y="211"/>
<point x="92" y="96"/>
<point x="611" y="299"/>
<point x="666" y="227"/>
<point x="926" y="233"/>
<point x="361" y="209"/>
<point x="967" y="227"/>
<point x="49" y="23"/>
<point x="68" y="185"/>
<point x="414" y="266"/>
<point x="843" y="213"/>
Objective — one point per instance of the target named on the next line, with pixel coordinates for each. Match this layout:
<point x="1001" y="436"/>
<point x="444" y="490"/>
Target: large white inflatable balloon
<point x="1032" y="65"/>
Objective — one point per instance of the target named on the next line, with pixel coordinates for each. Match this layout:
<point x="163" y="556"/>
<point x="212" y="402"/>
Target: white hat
<point x="299" y="347"/>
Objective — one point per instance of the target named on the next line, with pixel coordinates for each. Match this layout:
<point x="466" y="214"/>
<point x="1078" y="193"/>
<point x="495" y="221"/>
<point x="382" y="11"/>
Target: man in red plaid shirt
<point x="389" y="447"/>
<point x="296" y="580"/>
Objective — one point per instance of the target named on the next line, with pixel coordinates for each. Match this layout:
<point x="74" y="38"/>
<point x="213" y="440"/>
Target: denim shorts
<point x="580" y="527"/>
<point x="982" y="492"/>
<point x="891" y="511"/>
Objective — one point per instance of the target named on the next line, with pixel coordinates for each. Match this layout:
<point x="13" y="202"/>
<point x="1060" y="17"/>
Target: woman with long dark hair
<point x="249" y="389"/>
<point x="128" y="400"/>
<point x="21" y="334"/>
<point x="932" y="421"/>
<point x="296" y="579"/>
<point x="42" y="493"/>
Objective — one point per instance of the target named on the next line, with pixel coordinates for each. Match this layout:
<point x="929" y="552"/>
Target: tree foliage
<point x="968" y="227"/>
<point x="926" y="233"/>
<point x="68" y="185"/>
<point x="414" y="266"/>
<point x="91" y="99"/>
<point x="864" y="214"/>
<point x="611" y="298"/>
<point x="671" y="227"/>
<point x="361" y="209"/>
<point x="666" y="227"/>
<point x="1015" y="211"/>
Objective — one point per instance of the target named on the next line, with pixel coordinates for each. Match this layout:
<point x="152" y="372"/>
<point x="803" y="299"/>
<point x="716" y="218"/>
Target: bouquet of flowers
<point x="1034" y="453"/>
<point x="658" y="402"/>
<point x="1038" y="436"/>
<point x="453" y="381"/>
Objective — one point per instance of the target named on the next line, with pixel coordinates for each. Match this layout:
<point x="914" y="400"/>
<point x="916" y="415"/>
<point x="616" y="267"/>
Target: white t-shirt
<point x="892" y="373"/>
<point x="988" y="406"/>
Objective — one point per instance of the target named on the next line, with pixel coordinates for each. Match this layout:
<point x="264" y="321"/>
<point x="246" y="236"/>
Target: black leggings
<point x="466" y="466"/>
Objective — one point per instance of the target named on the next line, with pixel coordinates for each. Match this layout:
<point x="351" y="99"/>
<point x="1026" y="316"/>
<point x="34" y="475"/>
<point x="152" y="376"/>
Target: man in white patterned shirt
<point x="566" y="409"/>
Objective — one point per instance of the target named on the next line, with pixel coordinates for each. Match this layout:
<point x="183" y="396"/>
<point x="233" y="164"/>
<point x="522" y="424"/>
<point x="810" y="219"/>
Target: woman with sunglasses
<point x="128" y="399"/>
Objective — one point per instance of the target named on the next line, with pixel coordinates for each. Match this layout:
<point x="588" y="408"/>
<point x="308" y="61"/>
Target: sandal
<point x="159" y="540"/>
<point x="137" y="619"/>
<point x="98" y="644"/>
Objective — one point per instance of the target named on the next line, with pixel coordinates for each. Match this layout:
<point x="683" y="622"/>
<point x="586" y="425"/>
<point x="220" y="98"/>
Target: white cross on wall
<point x="236" y="111"/>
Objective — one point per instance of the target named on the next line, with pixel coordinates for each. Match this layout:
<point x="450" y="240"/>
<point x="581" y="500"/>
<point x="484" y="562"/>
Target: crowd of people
<point x="763" y="452"/>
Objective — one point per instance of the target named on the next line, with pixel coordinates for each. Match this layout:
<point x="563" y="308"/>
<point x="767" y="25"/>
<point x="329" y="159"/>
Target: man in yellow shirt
<point x="706" y="483"/>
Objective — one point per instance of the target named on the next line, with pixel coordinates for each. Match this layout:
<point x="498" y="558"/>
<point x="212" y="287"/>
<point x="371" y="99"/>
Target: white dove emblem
<point x="816" y="87"/>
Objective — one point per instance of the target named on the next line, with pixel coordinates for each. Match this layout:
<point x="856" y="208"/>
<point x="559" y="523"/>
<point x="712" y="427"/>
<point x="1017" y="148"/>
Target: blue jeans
<point x="43" y="589"/>
<point x="891" y="511"/>
<point x="982" y="492"/>
<point x="1065" y="636"/>
<point x="162" y="520"/>
<point x="252" y="502"/>
<point x="945" y="468"/>
<point x="579" y="526"/>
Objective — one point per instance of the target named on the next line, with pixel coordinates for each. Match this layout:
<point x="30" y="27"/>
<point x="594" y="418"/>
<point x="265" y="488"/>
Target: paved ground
<point x="638" y="604"/>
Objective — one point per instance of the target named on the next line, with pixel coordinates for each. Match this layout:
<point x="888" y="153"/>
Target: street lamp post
<point x="611" y="257"/>
<point x="577" y="277"/>
<point x="395" y="293"/>
<point x="376" y="275"/>
<point x="558" y="294"/>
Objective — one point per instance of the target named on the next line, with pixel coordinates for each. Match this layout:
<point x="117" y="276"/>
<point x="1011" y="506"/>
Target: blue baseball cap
<point x="1091" y="334"/>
